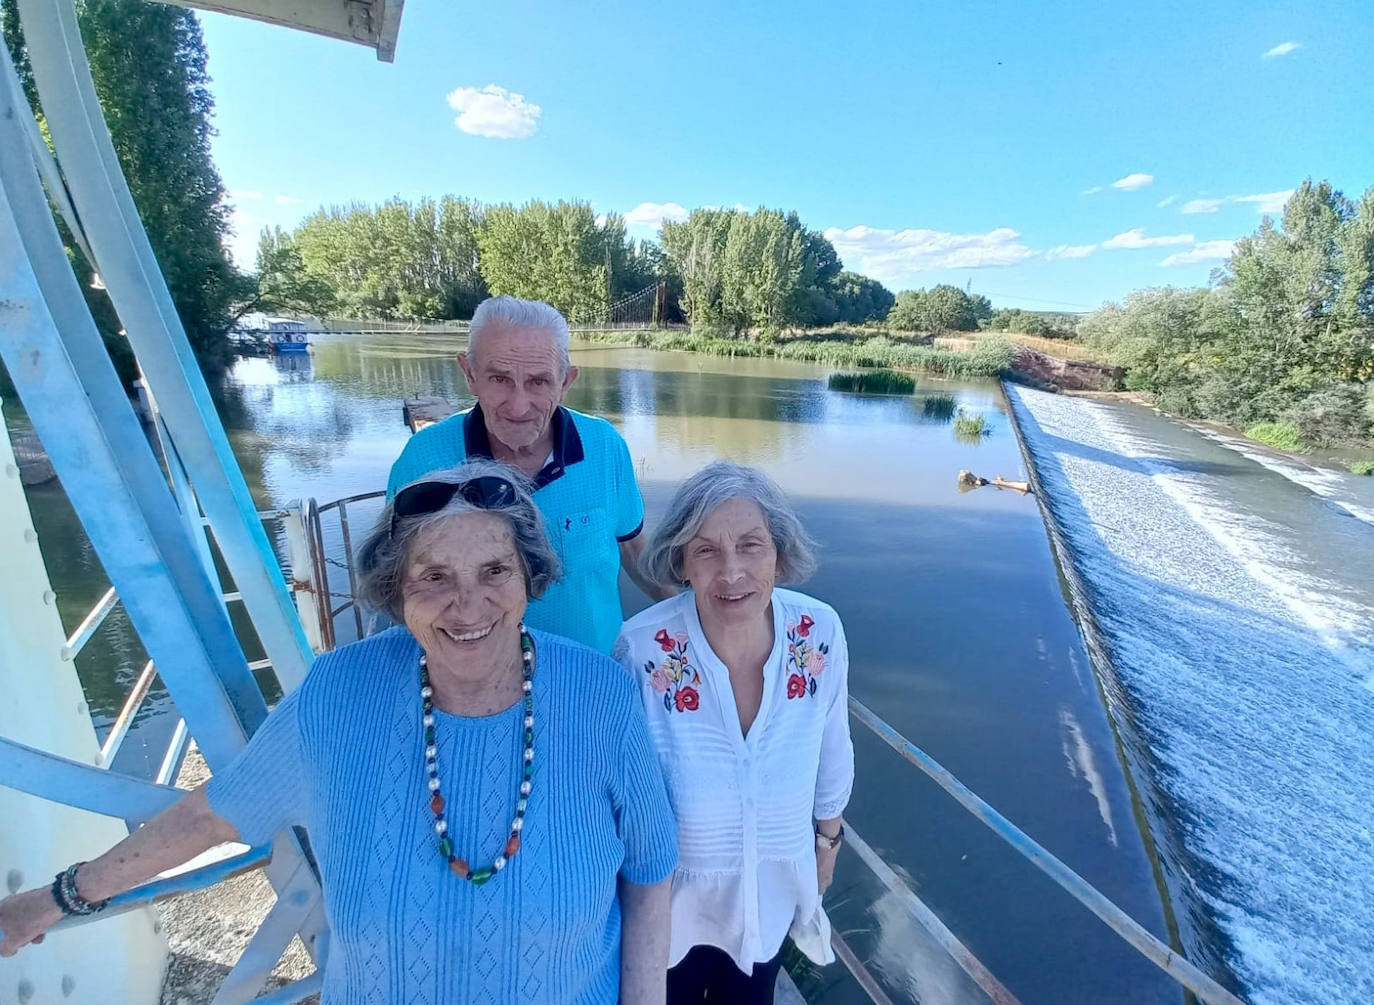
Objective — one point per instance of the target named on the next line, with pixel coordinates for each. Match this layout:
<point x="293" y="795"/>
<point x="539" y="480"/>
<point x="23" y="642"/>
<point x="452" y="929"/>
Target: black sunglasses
<point x="485" y="492"/>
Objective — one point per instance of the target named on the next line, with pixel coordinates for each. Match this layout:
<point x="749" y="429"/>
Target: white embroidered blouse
<point x="745" y="805"/>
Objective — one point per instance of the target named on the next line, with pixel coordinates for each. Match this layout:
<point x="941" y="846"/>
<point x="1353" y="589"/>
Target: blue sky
<point x="1050" y="154"/>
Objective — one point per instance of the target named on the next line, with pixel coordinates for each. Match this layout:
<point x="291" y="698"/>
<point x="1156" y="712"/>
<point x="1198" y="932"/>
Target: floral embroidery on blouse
<point x="674" y="677"/>
<point x="805" y="661"/>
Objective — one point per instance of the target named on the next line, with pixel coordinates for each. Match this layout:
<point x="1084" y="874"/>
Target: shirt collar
<point x="567" y="443"/>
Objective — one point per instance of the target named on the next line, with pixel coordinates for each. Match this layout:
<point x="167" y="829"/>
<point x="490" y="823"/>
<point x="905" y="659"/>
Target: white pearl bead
<point x="529" y="755"/>
<point x="524" y="788"/>
<point x="517" y="824"/>
<point x="440" y="827"/>
<point x="500" y="863"/>
<point x="529" y="722"/>
<point x="429" y="720"/>
<point x="431" y="750"/>
<point x="434" y="785"/>
<point x="426" y="692"/>
<point x="527" y="686"/>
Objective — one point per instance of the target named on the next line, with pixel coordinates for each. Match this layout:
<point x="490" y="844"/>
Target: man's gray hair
<point x="383" y="557"/>
<point x="506" y="311"/>
<point x="697" y="498"/>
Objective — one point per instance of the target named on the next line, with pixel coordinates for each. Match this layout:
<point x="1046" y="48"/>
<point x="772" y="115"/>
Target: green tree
<point x="556" y="252"/>
<point x="859" y="299"/>
<point x="940" y="309"/>
<point x="149" y="66"/>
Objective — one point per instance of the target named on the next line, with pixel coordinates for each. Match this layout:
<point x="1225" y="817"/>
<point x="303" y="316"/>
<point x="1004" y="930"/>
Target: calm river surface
<point x="960" y="632"/>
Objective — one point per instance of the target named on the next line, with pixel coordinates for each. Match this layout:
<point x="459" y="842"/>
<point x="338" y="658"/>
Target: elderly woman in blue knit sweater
<point x="489" y="819"/>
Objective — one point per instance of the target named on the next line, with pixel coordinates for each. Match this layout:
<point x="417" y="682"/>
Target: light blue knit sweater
<point x="343" y="756"/>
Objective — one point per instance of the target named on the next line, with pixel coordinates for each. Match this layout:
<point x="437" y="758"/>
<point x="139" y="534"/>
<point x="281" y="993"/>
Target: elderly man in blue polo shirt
<point x="517" y="365"/>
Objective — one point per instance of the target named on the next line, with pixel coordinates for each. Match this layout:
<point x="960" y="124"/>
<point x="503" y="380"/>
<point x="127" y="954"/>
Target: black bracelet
<point x="69" y="900"/>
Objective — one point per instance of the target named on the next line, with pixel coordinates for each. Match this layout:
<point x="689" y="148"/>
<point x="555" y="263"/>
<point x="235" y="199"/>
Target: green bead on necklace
<point x="458" y="866"/>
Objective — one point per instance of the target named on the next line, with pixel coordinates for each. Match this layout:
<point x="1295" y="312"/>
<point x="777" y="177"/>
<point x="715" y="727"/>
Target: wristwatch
<point x="826" y="843"/>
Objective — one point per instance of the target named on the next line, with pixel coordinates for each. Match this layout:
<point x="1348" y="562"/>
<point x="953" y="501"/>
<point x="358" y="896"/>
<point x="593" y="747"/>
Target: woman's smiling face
<point x="731" y="563"/>
<point x="464" y="592"/>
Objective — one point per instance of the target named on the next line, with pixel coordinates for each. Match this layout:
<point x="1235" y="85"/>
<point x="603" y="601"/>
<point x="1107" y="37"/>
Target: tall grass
<point x="991" y="357"/>
<point x="970" y="427"/>
<point x="873" y="382"/>
<point x="1279" y="435"/>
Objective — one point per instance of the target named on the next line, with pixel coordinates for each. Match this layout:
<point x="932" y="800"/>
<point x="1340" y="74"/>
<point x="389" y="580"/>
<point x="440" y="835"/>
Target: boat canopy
<point x="373" y="23"/>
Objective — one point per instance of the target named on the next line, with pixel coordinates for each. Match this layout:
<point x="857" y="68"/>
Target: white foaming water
<point x="1243" y="664"/>
<point x="1330" y="485"/>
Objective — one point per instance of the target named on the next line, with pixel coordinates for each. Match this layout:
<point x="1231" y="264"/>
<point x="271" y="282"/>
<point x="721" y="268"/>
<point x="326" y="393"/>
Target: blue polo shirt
<point x="590" y="501"/>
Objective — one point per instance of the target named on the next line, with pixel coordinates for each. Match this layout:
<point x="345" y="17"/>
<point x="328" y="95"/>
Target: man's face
<point x="518" y="377"/>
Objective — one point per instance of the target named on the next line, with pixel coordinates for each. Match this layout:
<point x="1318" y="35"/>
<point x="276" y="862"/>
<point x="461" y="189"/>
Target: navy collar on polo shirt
<point x="567" y="444"/>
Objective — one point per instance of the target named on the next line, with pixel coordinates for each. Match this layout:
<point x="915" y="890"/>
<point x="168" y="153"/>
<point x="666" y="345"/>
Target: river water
<point x="960" y="629"/>
<point x="1235" y="592"/>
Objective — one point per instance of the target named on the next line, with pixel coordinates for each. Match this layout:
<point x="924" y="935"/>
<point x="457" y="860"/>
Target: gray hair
<point x="697" y="498"/>
<point x="383" y="556"/>
<point x="507" y="311"/>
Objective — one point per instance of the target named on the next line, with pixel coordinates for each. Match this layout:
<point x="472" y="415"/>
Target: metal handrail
<point x="137" y="694"/>
<point x="90" y="624"/>
<point x="1136" y="935"/>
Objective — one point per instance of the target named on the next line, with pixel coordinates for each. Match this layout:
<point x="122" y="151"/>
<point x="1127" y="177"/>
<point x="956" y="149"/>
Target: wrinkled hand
<point x="825" y="866"/>
<point x="25" y="917"/>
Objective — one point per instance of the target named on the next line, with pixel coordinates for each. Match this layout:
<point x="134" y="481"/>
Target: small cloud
<point x="1134" y="181"/>
<point x="244" y="195"/>
<point x="1071" y="251"/>
<point x="896" y="256"/>
<point x="1136" y="239"/>
<point x="1202" y="205"/>
<point x="494" y="111"/>
<point x="653" y="214"/>
<point x="287" y="200"/>
<point x="1091" y="191"/>
<point x="1267" y="202"/>
<point x="1167" y="201"/>
<point x="1282" y="49"/>
<point x="1206" y="251"/>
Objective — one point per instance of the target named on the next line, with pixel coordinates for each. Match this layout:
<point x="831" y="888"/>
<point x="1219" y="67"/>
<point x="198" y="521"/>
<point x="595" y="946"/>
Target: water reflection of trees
<point x="607" y="391"/>
<point x="937" y="409"/>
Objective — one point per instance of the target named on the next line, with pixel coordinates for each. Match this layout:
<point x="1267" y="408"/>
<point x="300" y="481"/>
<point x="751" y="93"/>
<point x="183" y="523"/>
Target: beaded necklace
<point x="459" y="866"/>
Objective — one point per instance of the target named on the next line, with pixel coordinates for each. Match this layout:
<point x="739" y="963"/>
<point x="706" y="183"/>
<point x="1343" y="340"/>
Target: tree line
<point x="1280" y="343"/>
<point x="725" y="270"/>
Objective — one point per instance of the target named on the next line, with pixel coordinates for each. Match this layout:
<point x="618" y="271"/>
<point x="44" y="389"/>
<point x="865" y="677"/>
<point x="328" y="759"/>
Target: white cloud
<point x="1205" y="251"/>
<point x="1202" y="205"/>
<point x="1136" y="239"/>
<point x="1167" y="201"/>
<point x="244" y="195"/>
<point x="653" y="214"/>
<point x="494" y="111"/>
<point x="287" y="200"/>
<point x="1091" y="191"/>
<point x="1071" y="251"/>
<point x="1266" y="202"/>
<point x="893" y="256"/>
<point x="1282" y="49"/>
<point x="1134" y="181"/>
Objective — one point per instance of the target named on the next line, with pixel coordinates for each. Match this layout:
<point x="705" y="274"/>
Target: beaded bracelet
<point x="68" y="899"/>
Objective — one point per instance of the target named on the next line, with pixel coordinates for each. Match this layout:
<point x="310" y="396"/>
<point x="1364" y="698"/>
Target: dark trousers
<point x="706" y="974"/>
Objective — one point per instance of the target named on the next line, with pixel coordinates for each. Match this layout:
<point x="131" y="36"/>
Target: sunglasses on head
<point x="484" y="492"/>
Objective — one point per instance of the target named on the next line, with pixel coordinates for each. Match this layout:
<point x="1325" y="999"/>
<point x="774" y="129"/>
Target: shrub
<point x="1362" y="467"/>
<point x="1331" y="415"/>
<point x="1279" y="435"/>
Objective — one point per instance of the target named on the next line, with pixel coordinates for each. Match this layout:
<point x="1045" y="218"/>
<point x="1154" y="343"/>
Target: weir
<point x="160" y="514"/>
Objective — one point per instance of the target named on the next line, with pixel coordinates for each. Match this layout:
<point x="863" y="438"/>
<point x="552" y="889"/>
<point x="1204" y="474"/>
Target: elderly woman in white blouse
<point x="746" y="689"/>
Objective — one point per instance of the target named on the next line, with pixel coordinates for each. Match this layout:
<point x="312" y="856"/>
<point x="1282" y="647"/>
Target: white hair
<point x="512" y="312"/>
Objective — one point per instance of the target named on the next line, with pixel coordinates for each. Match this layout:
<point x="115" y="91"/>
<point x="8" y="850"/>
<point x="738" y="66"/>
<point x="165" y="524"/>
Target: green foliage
<point x="148" y="63"/>
<point x="970" y="427"/>
<point x="1362" y="467"/>
<point x="1279" y="435"/>
<point x="940" y="309"/>
<point x="1044" y="324"/>
<point x="1283" y="340"/>
<point x="556" y="252"/>
<point x="872" y="382"/>
<point x="762" y="272"/>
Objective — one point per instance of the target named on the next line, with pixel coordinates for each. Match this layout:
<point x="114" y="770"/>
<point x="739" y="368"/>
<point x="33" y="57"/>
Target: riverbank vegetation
<point x="873" y="382"/>
<point x="148" y="62"/>
<point x="1280" y="344"/>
